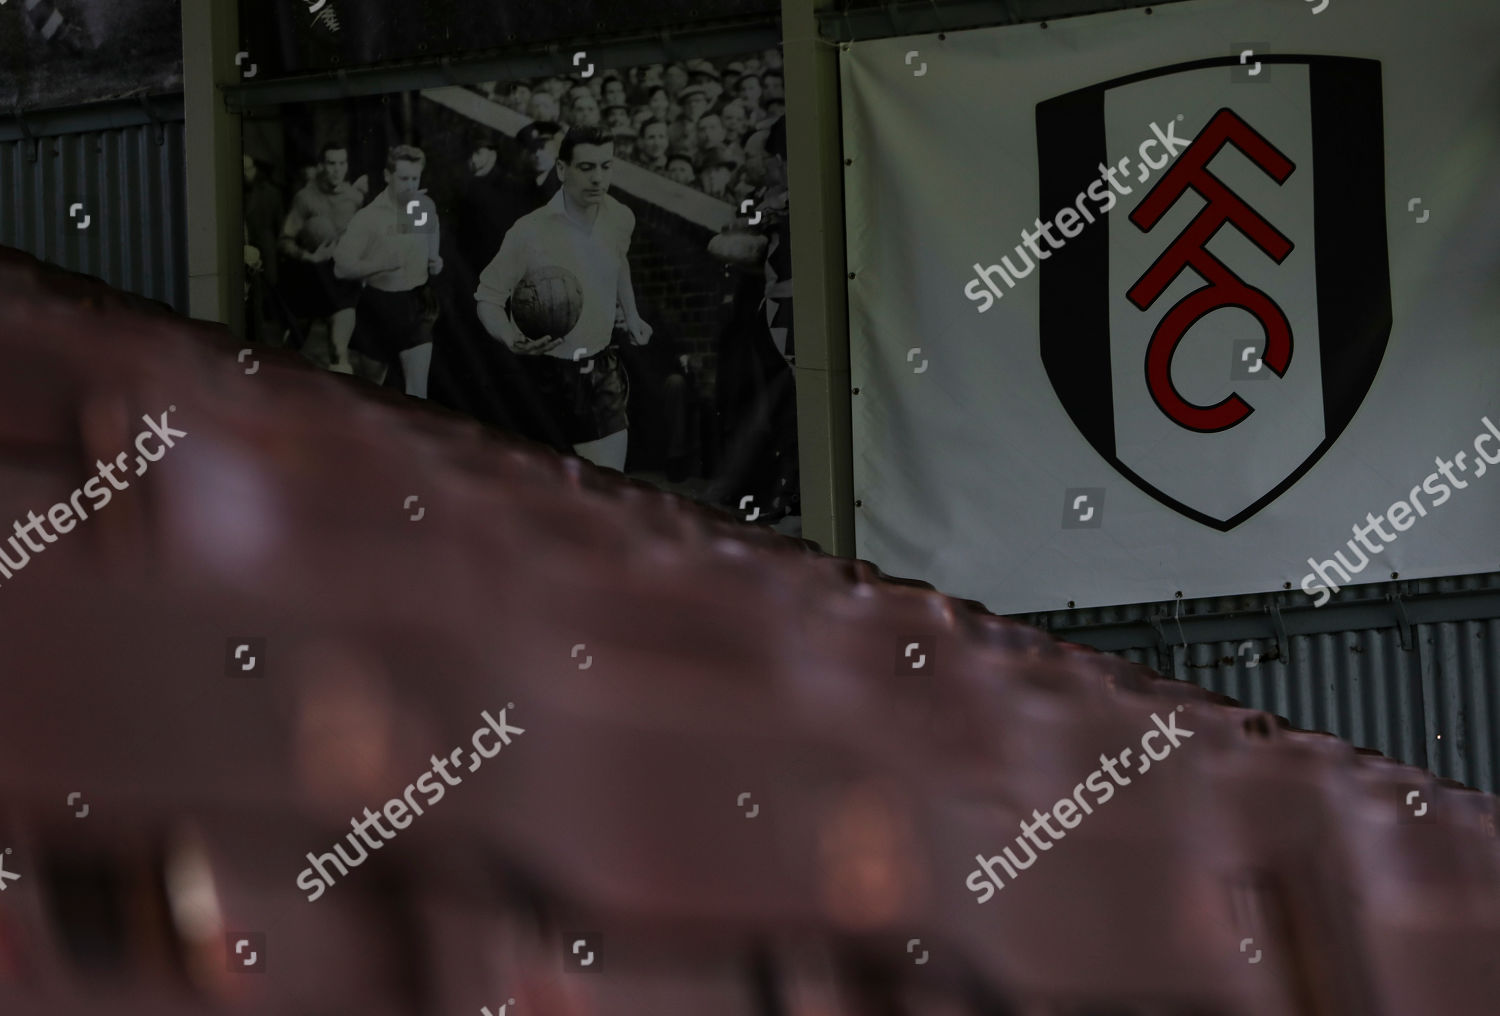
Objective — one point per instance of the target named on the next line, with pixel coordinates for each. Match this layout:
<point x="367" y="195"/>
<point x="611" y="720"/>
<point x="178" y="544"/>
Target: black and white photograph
<point x="599" y="262"/>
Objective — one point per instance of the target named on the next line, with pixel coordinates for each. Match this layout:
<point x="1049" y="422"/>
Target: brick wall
<point x="677" y="281"/>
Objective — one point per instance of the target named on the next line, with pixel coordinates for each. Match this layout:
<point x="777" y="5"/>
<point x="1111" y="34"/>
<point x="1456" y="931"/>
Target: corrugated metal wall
<point x="130" y="182"/>
<point x="1387" y="673"/>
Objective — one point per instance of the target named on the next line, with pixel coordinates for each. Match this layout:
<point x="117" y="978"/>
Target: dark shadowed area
<point x="67" y="52"/>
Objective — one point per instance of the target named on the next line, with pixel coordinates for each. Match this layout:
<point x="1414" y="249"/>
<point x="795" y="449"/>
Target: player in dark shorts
<point x="587" y="232"/>
<point x="320" y="213"/>
<point x="392" y="246"/>
<point x="585" y="400"/>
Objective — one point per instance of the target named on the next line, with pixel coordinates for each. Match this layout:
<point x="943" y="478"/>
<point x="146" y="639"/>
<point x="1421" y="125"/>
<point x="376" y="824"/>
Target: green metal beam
<point x="820" y="291"/>
<point x="925" y="17"/>
<point x="720" y="40"/>
<point x="1392" y="610"/>
<point x="215" y="221"/>
<point x="94" y="116"/>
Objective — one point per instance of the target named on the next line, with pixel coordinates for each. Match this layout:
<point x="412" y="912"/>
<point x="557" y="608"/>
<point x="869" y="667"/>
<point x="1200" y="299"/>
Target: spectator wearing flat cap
<point x="516" y="95"/>
<point x="706" y="76"/>
<point x="675" y="79"/>
<point x="488" y="203"/>
<point x="680" y="168"/>
<point x="694" y="102"/>
<point x="649" y="76"/>
<point x="538" y="181"/>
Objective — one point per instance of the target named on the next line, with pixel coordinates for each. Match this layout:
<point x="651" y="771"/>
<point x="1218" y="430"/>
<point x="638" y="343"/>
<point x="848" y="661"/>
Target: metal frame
<point x="820" y="311"/>
<point x="215" y="217"/>
<point x="724" y="39"/>
<point x="1284" y="615"/>
<point x="921" y="17"/>
<point x="95" y="116"/>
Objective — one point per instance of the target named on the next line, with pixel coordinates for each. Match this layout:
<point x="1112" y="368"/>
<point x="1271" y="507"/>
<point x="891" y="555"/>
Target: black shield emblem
<point x="1214" y="333"/>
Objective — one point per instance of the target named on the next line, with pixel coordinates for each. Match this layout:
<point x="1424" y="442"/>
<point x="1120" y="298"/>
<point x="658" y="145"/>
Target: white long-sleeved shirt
<point x="550" y="237"/>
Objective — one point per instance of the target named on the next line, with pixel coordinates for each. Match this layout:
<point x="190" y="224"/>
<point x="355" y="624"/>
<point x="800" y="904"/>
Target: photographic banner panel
<point x="1182" y="303"/>
<point x="598" y="263"/>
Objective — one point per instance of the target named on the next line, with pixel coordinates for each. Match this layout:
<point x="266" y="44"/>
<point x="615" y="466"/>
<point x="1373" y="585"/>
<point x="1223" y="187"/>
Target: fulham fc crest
<point x="1216" y="332"/>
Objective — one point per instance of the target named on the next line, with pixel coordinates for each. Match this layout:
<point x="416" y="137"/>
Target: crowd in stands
<point x="692" y="122"/>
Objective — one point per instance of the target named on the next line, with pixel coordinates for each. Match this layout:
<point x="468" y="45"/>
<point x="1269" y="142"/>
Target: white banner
<point x="1202" y="301"/>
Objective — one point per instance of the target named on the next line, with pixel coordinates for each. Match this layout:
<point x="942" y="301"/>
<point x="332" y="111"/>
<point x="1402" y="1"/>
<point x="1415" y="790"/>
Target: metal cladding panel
<point x="1431" y="699"/>
<point x="1360" y="685"/>
<point x="130" y="184"/>
<point x="1464" y="661"/>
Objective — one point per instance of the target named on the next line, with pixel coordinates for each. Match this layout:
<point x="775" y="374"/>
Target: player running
<point x="392" y="245"/>
<point x="320" y="213"/>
